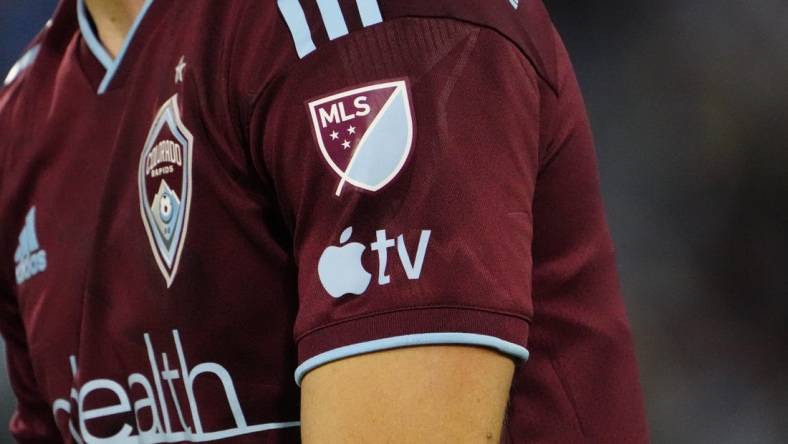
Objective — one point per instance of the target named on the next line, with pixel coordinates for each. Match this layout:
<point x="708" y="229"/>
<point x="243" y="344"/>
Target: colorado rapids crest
<point x="365" y="134"/>
<point x="165" y="186"/>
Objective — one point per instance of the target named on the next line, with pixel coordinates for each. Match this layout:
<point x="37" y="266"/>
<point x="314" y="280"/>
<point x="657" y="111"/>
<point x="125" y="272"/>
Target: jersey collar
<point x="97" y="49"/>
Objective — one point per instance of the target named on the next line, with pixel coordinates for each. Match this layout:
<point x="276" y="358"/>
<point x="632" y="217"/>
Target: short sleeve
<point x="32" y="421"/>
<point x="404" y="158"/>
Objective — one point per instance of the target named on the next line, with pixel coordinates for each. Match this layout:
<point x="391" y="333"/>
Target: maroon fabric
<point x="501" y="173"/>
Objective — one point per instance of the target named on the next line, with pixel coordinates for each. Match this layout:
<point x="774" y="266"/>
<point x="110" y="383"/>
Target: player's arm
<point x="417" y="343"/>
<point x="32" y="421"/>
<point x="452" y="394"/>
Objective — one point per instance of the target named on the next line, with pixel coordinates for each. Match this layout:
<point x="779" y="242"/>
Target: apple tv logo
<point x="342" y="273"/>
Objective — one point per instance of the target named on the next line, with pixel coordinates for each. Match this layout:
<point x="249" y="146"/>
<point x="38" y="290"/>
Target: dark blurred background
<point x="688" y="99"/>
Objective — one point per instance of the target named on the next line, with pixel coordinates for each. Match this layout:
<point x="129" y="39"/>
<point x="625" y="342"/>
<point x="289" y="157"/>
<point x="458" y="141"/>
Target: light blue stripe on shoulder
<point x="296" y="20"/>
<point x="369" y="11"/>
<point x="333" y="18"/>
<point x="416" y="340"/>
<point x="22" y="64"/>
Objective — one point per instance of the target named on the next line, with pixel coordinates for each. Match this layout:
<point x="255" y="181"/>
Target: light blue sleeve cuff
<point x="505" y="347"/>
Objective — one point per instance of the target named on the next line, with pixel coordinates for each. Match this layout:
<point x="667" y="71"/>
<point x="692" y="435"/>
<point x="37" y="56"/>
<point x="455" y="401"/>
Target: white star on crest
<point x="334" y="135"/>
<point x="346" y="145"/>
<point x="179" y="70"/>
<point x="351" y="129"/>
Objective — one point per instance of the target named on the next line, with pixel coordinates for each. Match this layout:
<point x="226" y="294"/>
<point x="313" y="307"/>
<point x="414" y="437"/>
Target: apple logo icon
<point x="340" y="269"/>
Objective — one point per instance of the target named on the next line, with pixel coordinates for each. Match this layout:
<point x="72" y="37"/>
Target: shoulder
<point x="30" y="80"/>
<point x="42" y="56"/>
<point x="13" y="84"/>
<point x="527" y="25"/>
<point x="267" y="42"/>
<point x="20" y="70"/>
<point x="21" y="65"/>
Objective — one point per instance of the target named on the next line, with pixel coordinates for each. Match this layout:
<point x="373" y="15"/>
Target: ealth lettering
<point x="156" y="402"/>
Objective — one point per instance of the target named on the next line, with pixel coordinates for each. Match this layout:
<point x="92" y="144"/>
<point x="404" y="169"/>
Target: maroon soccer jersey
<point x="253" y="189"/>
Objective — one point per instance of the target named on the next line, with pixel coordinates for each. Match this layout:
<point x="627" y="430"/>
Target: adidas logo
<point x="30" y="259"/>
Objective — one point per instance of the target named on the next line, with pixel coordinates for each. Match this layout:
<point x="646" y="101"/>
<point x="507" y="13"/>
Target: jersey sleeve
<point x="404" y="158"/>
<point x="32" y="421"/>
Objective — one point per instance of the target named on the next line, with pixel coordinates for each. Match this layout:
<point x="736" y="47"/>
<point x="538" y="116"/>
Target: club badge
<point x="365" y="134"/>
<point x="165" y="187"/>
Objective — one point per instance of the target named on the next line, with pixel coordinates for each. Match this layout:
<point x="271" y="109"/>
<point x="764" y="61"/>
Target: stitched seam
<point x="556" y="366"/>
<point x="407" y="309"/>
<point x="261" y="92"/>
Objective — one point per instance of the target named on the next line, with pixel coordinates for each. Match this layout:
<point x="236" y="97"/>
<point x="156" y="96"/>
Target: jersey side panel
<point x="580" y="327"/>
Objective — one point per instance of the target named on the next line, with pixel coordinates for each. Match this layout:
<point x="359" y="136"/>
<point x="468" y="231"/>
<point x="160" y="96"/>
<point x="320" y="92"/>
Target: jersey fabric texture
<point x="251" y="190"/>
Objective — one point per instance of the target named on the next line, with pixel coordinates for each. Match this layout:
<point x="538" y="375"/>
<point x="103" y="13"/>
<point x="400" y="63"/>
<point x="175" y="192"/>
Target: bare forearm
<point x="425" y="394"/>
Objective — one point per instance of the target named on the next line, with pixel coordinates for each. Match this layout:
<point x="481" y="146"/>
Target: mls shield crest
<point x="365" y="134"/>
<point x="165" y="186"/>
